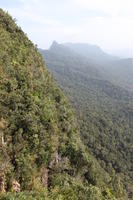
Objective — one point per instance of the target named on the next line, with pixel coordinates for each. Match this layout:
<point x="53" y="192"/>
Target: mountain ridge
<point x="87" y="50"/>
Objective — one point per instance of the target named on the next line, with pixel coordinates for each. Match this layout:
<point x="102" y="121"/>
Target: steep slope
<point x="104" y="112"/>
<point x="41" y="153"/>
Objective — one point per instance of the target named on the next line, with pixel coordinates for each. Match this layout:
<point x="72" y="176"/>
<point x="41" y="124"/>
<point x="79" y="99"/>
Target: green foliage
<point x="75" y="192"/>
<point x="24" y="196"/>
<point x="31" y="104"/>
<point x="40" y="144"/>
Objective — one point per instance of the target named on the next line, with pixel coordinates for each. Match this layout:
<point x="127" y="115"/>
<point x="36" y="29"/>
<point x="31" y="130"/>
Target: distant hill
<point x="93" y="52"/>
<point x="74" y="60"/>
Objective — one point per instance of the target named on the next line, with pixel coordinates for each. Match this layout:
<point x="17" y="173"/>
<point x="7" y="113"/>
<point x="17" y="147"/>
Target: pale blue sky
<point x="108" y="23"/>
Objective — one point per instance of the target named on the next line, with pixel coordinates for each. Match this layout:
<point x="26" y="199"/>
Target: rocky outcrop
<point x="44" y="177"/>
<point x="3" y="125"/>
<point x="2" y="183"/>
<point x="56" y="159"/>
<point x="15" y="186"/>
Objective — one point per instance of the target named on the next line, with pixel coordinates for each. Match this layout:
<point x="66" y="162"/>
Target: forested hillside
<point x="103" y="104"/>
<point x="41" y="153"/>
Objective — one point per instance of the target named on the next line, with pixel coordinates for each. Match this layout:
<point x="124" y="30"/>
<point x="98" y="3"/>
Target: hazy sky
<point x="108" y="23"/>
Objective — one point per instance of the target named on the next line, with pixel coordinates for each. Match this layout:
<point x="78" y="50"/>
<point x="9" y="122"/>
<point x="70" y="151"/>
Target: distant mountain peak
<point x="54" y="44"/>
<point x="61" y="49"/>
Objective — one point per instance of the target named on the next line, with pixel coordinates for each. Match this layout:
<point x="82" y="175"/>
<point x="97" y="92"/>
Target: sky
<point x="107" y="23"/>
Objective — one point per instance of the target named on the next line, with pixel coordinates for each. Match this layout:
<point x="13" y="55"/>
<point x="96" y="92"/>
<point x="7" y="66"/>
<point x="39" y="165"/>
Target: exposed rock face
<point x="2" y="183"/>
<point x="3" y="125"/>
<point x="15" y="186"/>
<point x="44" y="177"/>
<point x="55" y="161"/>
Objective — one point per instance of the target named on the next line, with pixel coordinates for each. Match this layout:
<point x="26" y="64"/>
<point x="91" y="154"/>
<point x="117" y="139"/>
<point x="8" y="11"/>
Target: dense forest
<point x="41" y="153"/>
<point x="100" y="90"/>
